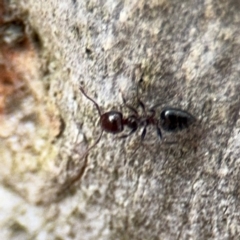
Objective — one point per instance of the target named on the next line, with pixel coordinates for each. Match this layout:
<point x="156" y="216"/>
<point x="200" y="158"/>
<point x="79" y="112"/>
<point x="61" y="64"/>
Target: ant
<point x="171" y="119"/>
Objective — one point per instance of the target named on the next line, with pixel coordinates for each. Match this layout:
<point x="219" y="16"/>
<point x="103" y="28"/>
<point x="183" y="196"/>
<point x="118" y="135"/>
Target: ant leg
<point x="81" y="171"/>
<point x="141" y="80"/>
<point x="143" y="133"/>
<point x="159" y="132"/>
<point x="95" y="143"/>
<point x="96" y="105"/>
<point x="140" y="103"/>
<point x="77" y="177"/>
<point x="142" y="138"/>
<point x="127" y="135"/>
<point x="129" y="106"/>
<point x="155" y="106"/>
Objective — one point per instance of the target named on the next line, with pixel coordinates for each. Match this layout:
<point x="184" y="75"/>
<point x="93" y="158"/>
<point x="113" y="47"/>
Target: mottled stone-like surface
<point x="187" y="54"/>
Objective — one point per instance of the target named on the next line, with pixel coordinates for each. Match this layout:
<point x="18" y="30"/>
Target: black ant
<point x="171" y="119"/>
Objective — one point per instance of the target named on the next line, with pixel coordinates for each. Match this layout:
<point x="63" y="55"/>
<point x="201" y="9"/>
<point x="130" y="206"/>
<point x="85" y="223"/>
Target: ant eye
<point x="112" y="122"/>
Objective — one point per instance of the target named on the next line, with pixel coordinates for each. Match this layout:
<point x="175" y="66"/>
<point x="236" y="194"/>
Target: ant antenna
<point x="140" y="103"/>
<point x="127" y="105"/>
<point x="96" y="105"/>
<point x="81" y="171"/>
<point x="138" y="85"/>
<point x="99" y="112"/>
<point x="94" y="144"/>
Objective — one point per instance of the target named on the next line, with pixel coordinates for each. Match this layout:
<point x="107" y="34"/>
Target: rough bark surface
<point x="187" y="54"/>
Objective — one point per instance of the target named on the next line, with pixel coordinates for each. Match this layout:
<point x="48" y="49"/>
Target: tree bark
<point x="186" y="54"/>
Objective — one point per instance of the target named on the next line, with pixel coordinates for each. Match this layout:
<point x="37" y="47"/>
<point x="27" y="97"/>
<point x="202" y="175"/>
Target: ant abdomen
<point x="174" y="119"/>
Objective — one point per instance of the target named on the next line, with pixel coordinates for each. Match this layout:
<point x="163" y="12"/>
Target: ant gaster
<point x="174" y="119"/>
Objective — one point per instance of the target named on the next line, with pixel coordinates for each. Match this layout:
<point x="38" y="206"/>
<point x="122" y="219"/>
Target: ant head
<point x="112" y="122"/>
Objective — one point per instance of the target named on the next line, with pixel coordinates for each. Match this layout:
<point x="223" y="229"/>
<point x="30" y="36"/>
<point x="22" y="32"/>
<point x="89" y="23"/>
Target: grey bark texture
<point x="187" y="54"/>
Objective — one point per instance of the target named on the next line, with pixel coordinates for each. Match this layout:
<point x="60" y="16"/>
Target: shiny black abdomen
<point x="174" y="119"/>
